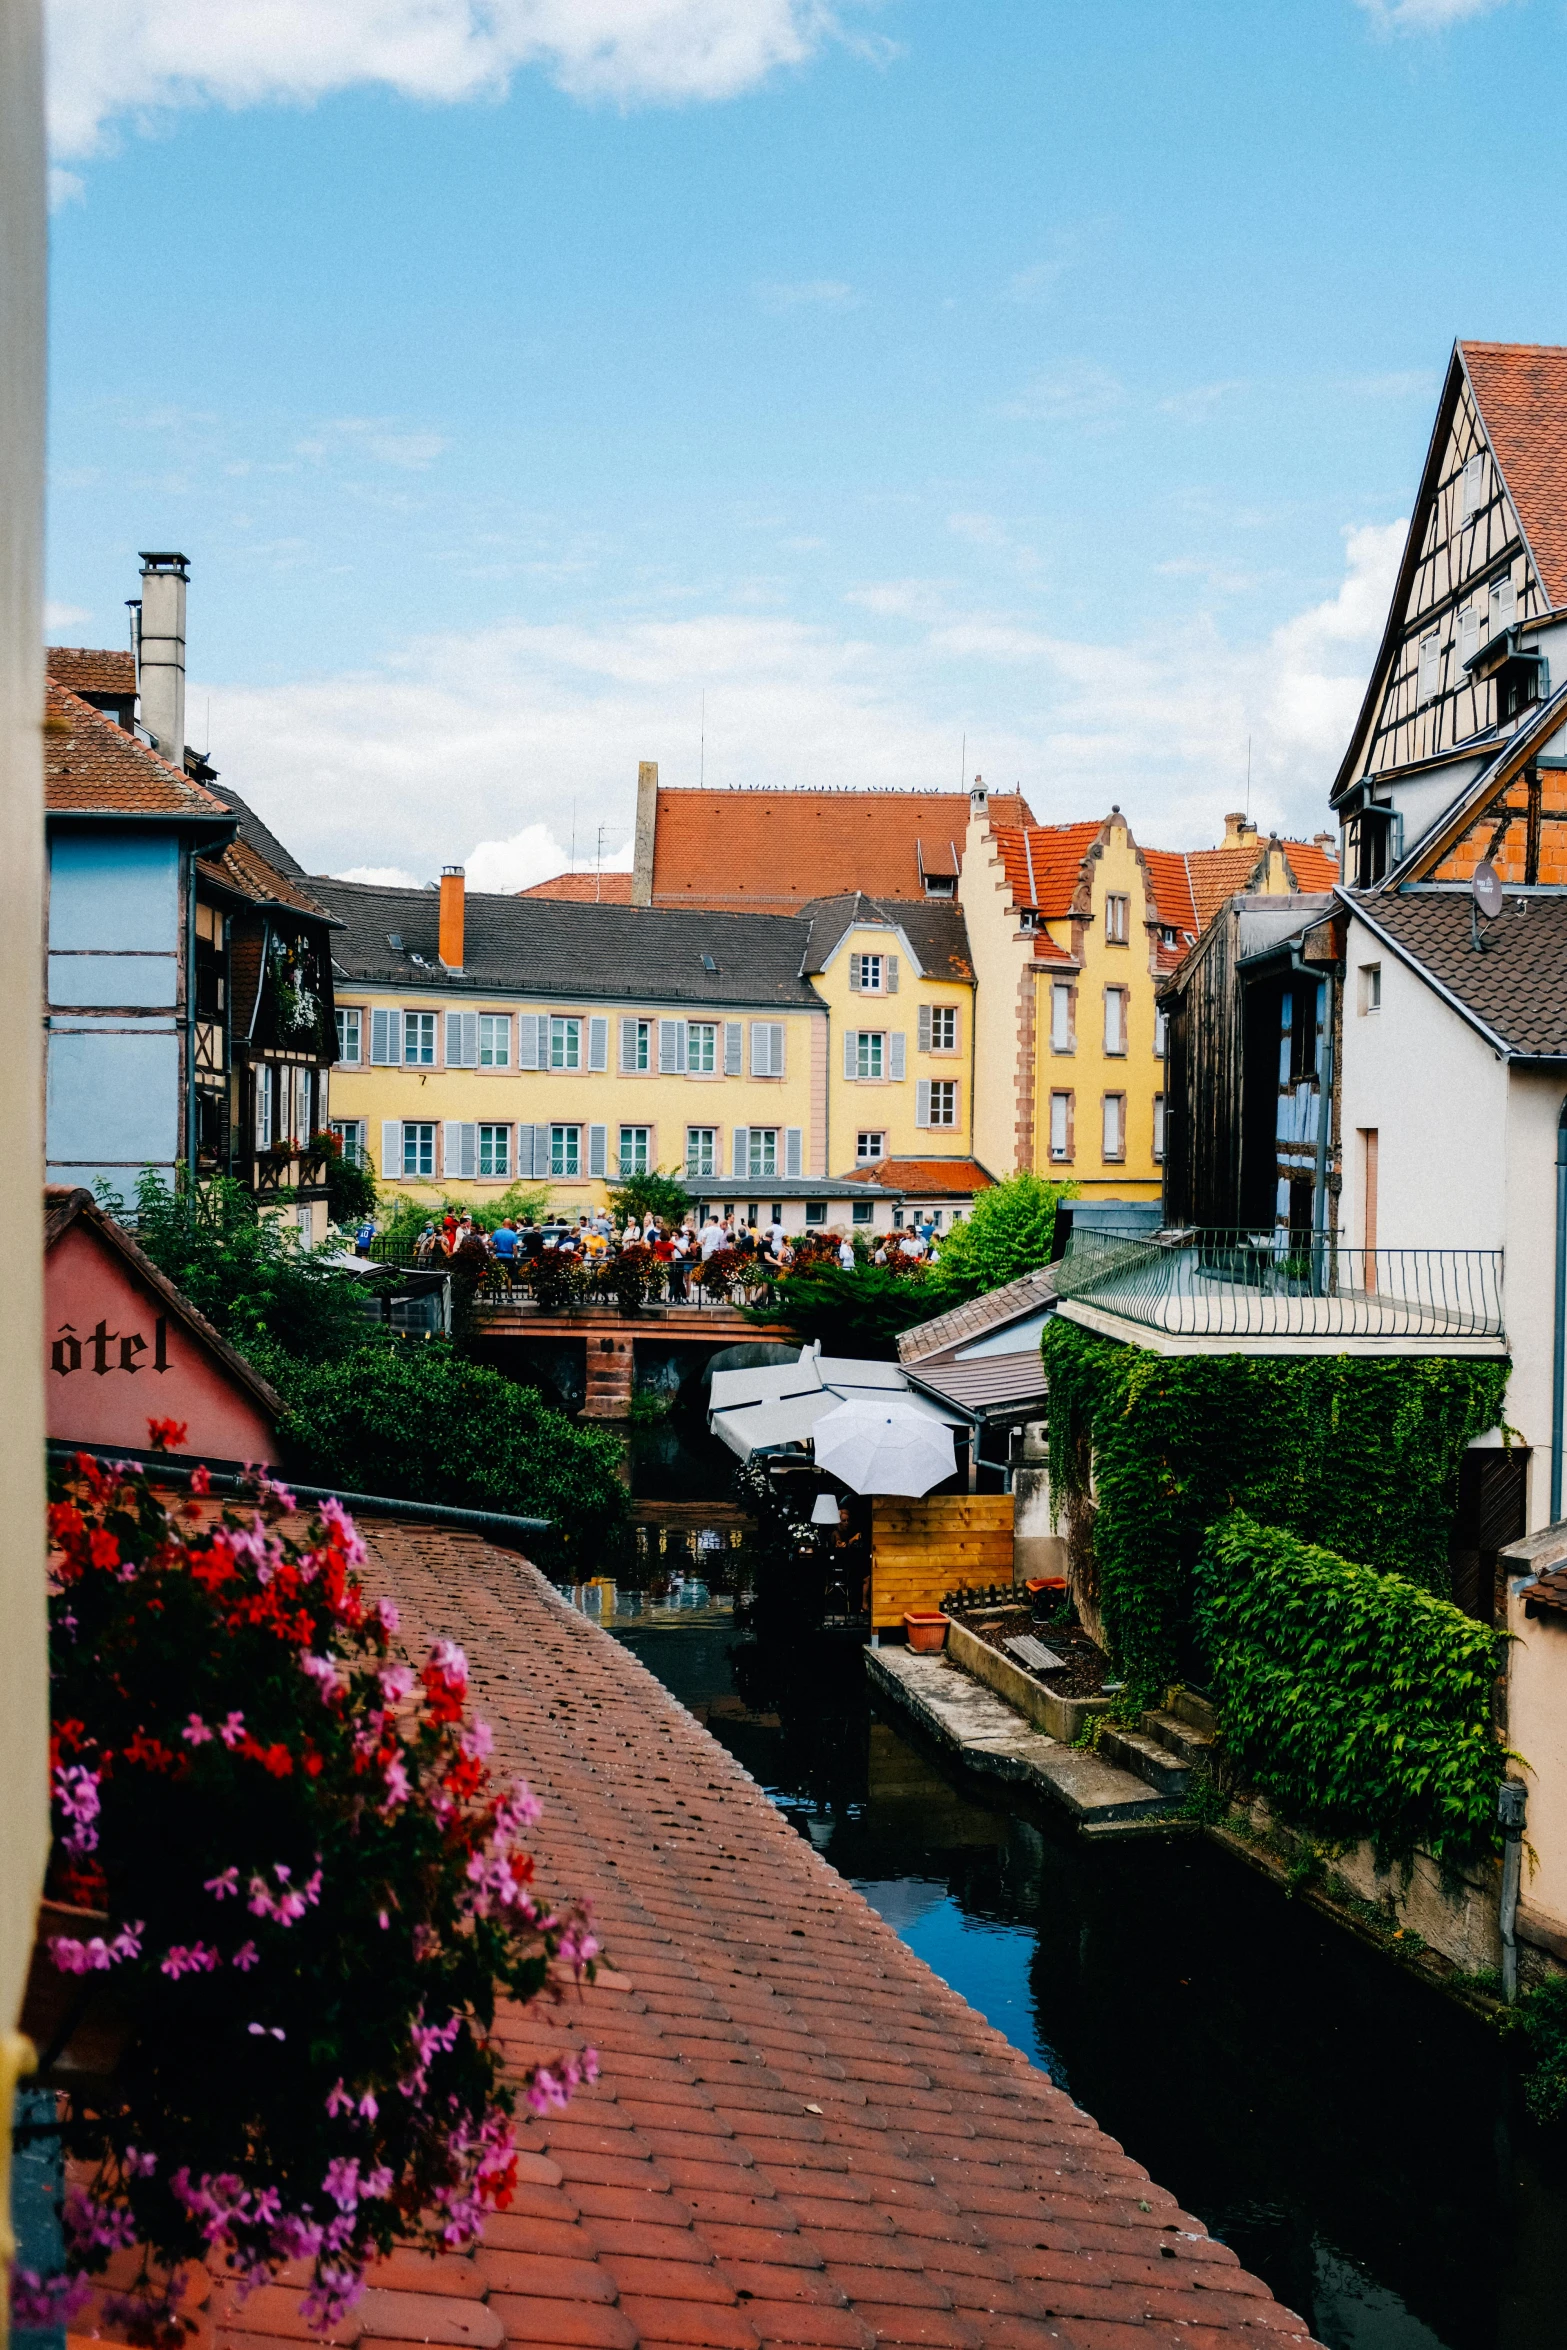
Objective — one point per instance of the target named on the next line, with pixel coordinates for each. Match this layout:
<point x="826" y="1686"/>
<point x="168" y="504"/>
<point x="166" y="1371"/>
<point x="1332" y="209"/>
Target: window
<point x="1502" y="605"/>
<point x="869" y="1147"/>
<point x="1158" y="1126"/>
<point x="636" y="1046"/>
<point x="1062" y="994"/>
<point x="419" y="1137"/>
<point x="767" y="1048"/>
<point x="419" y="1039"/>
<point x="1474" y="485"/>
<point x="943" y="1102"/>
<point x="1468" y="633"/>
<point x="462" y="1040"/>
<point x="941" y="885"/>
<point x="864" y="1211"/>
<point x="1370" y="987"/>
<point x="761" y="1151"/>
<point x="566" y="1147"/>
<point x="1115" y="1020"/>
<point x="701" y="1150"/>
<point x="701" y="1047"/>
<point x="565" y="1053"/>
<point x="636" y="1142"/>
<point x="495" y="1150"/>
<point x="816" y="1211"/>
<point x="1118" y="918"/>
<point x="1430" y="667"/>
<point x="348" y="1034"/>
<point x="869" y="1053"/>
<point x="350" y="1133"/>
<point x="1161" y="1032"/>
<point x="938" y="1028"/>
<point x="264" y="1107"/>
<point x="1060" y="1126"/>
<point x="873" y="974"/>
<point x="494" y="1040"/>
<point x="1115" y="1126"/>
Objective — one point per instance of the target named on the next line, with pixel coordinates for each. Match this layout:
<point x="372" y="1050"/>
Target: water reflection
<point x="1357" y="2140"/>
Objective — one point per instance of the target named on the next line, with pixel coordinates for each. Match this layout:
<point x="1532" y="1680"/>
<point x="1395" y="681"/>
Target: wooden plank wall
<point x="920" y="1550"/>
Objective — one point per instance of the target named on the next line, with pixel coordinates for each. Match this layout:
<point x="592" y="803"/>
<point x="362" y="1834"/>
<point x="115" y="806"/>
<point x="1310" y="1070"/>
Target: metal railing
<point x="1262" y="1284"/>
<point x="580" y="1283"/>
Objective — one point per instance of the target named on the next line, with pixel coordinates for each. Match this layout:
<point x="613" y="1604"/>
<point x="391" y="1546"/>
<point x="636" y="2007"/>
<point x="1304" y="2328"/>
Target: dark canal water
<point x="1359" y="2142"/>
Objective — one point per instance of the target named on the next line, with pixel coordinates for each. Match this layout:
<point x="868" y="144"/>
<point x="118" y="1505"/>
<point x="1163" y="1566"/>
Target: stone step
<point x="1179" y="1738"/>
<point x="1145" y="1759"/>
<point x="1187" y="1706"/>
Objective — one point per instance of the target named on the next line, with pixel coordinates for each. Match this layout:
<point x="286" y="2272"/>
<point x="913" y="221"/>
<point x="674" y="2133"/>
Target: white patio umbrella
<point x="889" y="1445"/>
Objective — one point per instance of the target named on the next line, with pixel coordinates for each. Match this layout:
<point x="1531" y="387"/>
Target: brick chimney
<point x="1239" y="830"/>
<point x="453" y="887"/>
<point x="1327" y="842"/>
<point x="160" y="652"/>
<point x="647" y="833"/>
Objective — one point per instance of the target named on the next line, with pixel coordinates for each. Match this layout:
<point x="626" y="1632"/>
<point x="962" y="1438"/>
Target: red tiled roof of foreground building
<point x="584" y="889"/>
<point x="91" y="766"/>
<point x="86" y="669"/>
<point x="802" y="2136"/>
<point x="1521" y="391"/>
<point x="772" y="850"/>
<point x="925" y="1177"/>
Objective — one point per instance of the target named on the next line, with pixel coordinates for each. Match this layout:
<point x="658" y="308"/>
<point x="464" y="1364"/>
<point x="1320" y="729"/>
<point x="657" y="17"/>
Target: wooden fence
<point x="921" y="1550"/>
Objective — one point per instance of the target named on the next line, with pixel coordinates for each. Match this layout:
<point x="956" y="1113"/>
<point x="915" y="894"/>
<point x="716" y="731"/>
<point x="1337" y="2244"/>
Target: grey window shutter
<point x="462" y="1040"/>
<point x="391" y="1149"/>
<point x="761" y="1048"/>
<point x="854" y="974"/>
<point x="541" y="1152"/>
<point x="780" y="1033"/>
<point x="895" y="1054"/>
<point x="598" y="1044"/>
<point x="922" y="1102"/>
<point x="528" y="1024"/>
<point x="850" y="1047"/>
<point x="734" y="1048"/>
<point x="598" y="1149"/>
<point x="924" y="1042"/>
<point x="451" y="1147"/>
<point x="628" y="1044"/>
<point x="384" y="1030"/>
<point x="892" y="974"/>
<point x="523" y="1160"/>
<point x="739" y="1164"/>
<point x="671" y="1047"/>
<point x="794" y="1150"/>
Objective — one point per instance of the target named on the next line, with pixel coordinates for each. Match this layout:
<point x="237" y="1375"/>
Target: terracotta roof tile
<point x="771" y="850"/>
<point x="1044" y="862"/>
<point x="241" y="867"/>
<point x="584" y="889"/>
<point x="1313" y="868"/>
<point x="86" y="670"/>
<point x="1169" y="872"/>
<point x="924" y="1176"/>
<point x="91" y="764"/>
<point x="1521" y="391"/>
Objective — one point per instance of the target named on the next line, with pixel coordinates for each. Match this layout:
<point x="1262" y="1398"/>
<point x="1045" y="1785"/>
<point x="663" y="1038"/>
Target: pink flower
<point x="76" y="1792"/>
<point x="397" y="1787"/>
<point x="233" y="1730"/>
<point x="397" y="1681"/>
<point x="197" y="1959"/>
<point x="226" y="1881"/>
<point x="323" y="1671"/>
<point x="245" y="1957"/>
<point x="387" y="1616"/>
<point x="196" y="1733"/>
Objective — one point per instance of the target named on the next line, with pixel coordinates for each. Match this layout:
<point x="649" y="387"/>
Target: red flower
<point x="103" y="1548"/>
<point x="167" y="1435"/>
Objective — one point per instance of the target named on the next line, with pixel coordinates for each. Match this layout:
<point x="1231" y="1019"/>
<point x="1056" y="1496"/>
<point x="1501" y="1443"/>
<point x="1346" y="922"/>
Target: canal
<point x="1358" y="2141"/>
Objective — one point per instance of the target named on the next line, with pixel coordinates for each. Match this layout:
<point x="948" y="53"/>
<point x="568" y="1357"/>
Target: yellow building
<point x="1071" y="929"/>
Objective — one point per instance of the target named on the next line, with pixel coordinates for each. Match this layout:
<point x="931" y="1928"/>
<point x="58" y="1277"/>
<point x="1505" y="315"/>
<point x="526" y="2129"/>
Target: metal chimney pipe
<point x="160" y="649"/>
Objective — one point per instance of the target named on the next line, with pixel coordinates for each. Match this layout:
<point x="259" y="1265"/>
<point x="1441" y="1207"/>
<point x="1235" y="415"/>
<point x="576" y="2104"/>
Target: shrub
<point x="350" y="1187"/>
<point x="858" y="1313"/>
<point x="309" y="1891"/>
<point x="1008" y="1232"/>
<point x="1358" y="1703"/>
<point x="246" y="1271"/>
<point x="652" y="1194"/>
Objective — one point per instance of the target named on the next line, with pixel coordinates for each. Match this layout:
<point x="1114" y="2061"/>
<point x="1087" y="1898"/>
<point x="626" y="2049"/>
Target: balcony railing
<point x="289" y="1170"/>
<point x="1268" y="1285"/>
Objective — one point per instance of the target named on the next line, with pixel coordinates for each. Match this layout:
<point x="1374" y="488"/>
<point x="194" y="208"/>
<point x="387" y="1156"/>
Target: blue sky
<point x="890" y="374"/>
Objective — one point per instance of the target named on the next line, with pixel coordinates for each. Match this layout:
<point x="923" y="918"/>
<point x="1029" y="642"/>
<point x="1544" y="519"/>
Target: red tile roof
<point x="771" y="850"/>
<point x="91" y="764"/>
<point x="1044" y="862"/>
<point x="1311" y="867"/>
<point x="1169" y="875"/>
<point x="1521" y="391"/>
<point x="584" y="889"/>
<point x="801" y="2136"/>
<point x="925" y="1177"/>
<point x="87" y="670"/>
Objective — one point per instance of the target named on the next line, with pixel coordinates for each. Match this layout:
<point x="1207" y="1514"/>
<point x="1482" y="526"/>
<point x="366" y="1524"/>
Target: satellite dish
<point x="1487" y="889"/>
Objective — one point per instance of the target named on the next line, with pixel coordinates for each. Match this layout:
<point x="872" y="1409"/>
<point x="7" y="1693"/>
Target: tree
<point x="652" y="1194"/>
<point x="1008" y="1232"/>
<point x="858" y="1313"/>
<point x="350" y="1185"/>
<point x="246" y="1271"/>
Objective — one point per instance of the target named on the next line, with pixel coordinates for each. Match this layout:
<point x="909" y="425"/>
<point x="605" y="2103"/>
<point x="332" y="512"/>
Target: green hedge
<point x="1355" y="1452"/>
<point x="1359" y="1704"/>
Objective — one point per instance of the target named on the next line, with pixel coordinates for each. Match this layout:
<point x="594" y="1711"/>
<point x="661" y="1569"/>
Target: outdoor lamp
<point x="825" y="1511"/>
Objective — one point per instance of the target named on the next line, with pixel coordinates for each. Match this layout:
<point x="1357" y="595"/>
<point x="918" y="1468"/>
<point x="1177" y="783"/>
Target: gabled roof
<point x="1515" y="993"/>
<point x="584" y="889"/>
<point x="1044" y="862"/>
<point x="85" y="669"/>
<point x="934" y="928"/>
<point x="256" y="866"/>
<point x="1046" y="869"/>
<point x="1017" y="1301"/>
<point x="1520" y="390"/>
<point x="1499" y="771"/>
<point x="926" y="1178"/>
<point x="93" y="767"/>
<point x="775" y="850"/>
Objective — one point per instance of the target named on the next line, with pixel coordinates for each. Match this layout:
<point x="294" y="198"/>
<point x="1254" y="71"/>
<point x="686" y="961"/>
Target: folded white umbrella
<point x="884" y="1446"/>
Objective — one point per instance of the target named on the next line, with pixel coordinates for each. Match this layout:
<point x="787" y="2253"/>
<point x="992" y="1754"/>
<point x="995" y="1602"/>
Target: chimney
<point x="160" y="652"/>
<point x="647" y="833"/>
<point x="1327" y="842"/>
<point x="1239" y="830"/>
<point x="978" y="801"/>
<point x="452" y="902"/>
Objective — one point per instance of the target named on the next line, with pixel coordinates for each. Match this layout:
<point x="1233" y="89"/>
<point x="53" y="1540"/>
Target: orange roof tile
<point x="584" y="889"/>
<point x="239" y="866"/>
<point x="1169" y="875"/>
<point x="1521" y="391"/>
<point x="92" y="765"/>
<point x="1044" y="862"/>
<point x="87" y="670"/>
<point x="1313" y="868"/>
<point x="923" y="1176"/>
<point x="771" y="850"/>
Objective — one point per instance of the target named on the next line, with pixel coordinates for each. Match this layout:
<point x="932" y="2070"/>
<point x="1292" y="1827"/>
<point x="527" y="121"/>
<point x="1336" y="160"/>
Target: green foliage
<point x="1008" y="1232"/>
<point x="858" y="1313"/>
<point x="1542" y="2017"/>
<point x="652" y="1194"/>
<point x="246" y="1271"/>
<point x="350" y="1188"/>
<point x="1358" y="1453"/>
<point x="409" y="1216"/>
<point x="1358" y="1703"/>
<point x="421" y="1421"/>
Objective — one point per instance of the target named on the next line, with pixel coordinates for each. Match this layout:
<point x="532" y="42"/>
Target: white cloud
<point x="1426" y="15"/>
<point x="1197" y="405"/>
<point x="65" y="615"/>
<point x="118" y="60"/>
<point x="534" y="854"/>
<point x="383" y="876"/>
<point x="816" y="293"/>
<point x="1077" y="394"/>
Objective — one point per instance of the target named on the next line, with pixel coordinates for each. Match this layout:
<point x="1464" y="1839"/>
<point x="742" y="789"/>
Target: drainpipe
<point x="1509" y="1811"/>
<point x="1559" y="1333"/>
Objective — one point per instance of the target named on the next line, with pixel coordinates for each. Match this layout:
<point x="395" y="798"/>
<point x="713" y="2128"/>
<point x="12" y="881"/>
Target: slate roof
<point x="925" y="1178"/>
<point x="1521" y="392"/>
<point x="257" y="835"/>
<point x="1516" y="991"/>
<point x="978" y="1316"/>
<point x="93" y="767"/>
<point x="551" y="948"/>
<point x="778" y="849"/>
<point x="584" y="889"/>
<point x="87" y="669"/>
<point x="996" y="1387"/>
<point x="256" y="865"/>
<point x="934" y="927"/>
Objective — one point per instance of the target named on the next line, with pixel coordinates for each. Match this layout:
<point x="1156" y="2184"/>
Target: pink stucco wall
<point x="115" y="1358"/>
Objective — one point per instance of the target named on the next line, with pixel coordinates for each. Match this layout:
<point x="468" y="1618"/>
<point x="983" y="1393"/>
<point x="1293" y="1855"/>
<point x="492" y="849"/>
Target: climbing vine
<point x="1148" y="1451"/>
<point x="1359" y="1704"/>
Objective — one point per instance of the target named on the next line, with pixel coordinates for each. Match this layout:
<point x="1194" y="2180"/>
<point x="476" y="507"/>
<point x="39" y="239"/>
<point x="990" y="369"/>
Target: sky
<point x="792" y="392"/>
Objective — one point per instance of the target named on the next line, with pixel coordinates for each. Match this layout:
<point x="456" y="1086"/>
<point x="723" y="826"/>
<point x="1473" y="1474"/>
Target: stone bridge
<point x="509" y="1329"/>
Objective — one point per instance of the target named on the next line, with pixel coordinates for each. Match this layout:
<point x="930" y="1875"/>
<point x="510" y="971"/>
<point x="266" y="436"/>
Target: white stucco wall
<point x="1534" y="1102"/>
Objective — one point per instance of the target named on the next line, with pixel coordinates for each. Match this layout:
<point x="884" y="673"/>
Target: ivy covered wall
<point x="1358" y="1454"/>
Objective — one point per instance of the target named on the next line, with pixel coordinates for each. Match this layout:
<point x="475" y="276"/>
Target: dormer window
<point x="1027" y="919"/>
<point x="1371" y="845"/>
<point x="941" y="885"/>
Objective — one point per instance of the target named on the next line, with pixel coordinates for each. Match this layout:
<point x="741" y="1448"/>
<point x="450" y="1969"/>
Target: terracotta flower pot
<point x="927" y="1631"/>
